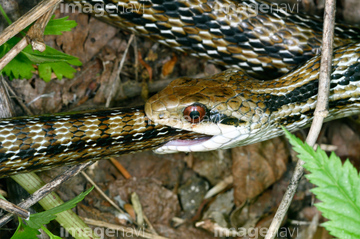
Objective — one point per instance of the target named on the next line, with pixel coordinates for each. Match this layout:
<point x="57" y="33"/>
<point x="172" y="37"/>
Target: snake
<point x="232" y="108"/>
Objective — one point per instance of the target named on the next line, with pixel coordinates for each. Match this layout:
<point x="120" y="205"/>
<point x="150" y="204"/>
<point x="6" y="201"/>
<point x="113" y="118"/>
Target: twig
<point x="117" y="77"/>
<point x="46" y="189"/>
<point x="102" y="193"/>
<point x="115" y="205"/>
<point x="219" y="187"/>
<point x="35" y="34"/>
<point x="320" y="113"/>
<point x="313" y="226"/>
<point x="6" y="108"/>
<point x="13" y="52"/>
<point x="12" y="208"/>
<point x="119" y="167"/>
<point x="14" y="95"/>
<point x="24" y="21"/>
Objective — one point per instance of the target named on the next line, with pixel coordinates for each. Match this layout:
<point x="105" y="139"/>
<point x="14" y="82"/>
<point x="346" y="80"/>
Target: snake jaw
<point x="228" y="139"/>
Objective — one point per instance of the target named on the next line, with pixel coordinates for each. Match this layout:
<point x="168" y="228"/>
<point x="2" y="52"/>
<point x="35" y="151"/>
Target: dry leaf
<point x="168" y="67"/>
<point x="257" y="166"/>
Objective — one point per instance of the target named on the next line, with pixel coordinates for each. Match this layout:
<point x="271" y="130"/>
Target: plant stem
<point x="5" y="15"/>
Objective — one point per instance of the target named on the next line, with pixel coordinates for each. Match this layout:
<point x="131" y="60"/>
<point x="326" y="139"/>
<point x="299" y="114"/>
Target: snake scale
<point x="225" y="110"/>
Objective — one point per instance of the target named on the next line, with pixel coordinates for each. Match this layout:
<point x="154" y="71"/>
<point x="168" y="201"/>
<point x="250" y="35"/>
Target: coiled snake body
<point x="232" y="108"/>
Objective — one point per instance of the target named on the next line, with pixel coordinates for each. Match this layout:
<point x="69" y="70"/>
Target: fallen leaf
<point x="168" y="67"/>
<point x="257" y="166"/>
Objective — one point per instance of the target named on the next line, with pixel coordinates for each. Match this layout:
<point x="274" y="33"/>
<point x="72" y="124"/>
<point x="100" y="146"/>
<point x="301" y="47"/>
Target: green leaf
<point x="37" y="220"/>
<point x="51" y="60"/>
<point x="45" y="72"/>
<point x="24" y="231"/>
<point x="337" y="188"/>
<point x="22" y="66"/>
<point x="57" y="26"/>
<point x="61" y="69"/>
<point x="52" y="236"/>
<point x="49" y="55"/>
<point x="5" y="15"/>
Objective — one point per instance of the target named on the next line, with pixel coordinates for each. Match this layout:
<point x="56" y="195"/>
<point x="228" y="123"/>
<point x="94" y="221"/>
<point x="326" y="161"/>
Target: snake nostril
<point x="161" y="116"/>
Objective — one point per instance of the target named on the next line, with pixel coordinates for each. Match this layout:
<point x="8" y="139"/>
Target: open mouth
<point x="188" y="142"/>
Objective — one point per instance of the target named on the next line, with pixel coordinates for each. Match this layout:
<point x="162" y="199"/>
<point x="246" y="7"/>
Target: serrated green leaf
<point x="19" y="67"/>
<point x="57" y="26"/>
<point x="45" y="72"/>
<point x="22" y="66"/>
<point x="61" y="69"/>
<point x="49" y="55"/>
<point x="37" y="220"/>
<point x="24" y="231"/>
<point x="339" y="230"/>
<point x="337" y="187"/>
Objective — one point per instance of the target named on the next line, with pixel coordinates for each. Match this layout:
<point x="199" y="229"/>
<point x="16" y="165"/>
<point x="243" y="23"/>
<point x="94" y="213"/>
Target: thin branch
<point x="28" y="18"/>
<point x="321" y="111"/>
<point x="46" y="189"/>
<point x="34" y="36"/>
<point x="117" y="77"/>
<point x="102" y="193"/>
<point x="12" y="208"/>
<point x="9" y="88"/>
<point x="13" y="52"/>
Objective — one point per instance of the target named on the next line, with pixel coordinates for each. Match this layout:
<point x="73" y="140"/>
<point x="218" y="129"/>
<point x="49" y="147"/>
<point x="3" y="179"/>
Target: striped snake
<point x="221" y="111"/>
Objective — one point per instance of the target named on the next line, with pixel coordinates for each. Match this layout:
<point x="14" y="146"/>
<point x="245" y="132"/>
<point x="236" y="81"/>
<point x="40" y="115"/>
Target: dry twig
<point x="35" y="31"/>
<point x="12" y="208"/>
<point x="116" y="81"/>
<point x="46" y="189"/>
<point x="320" y="113"/>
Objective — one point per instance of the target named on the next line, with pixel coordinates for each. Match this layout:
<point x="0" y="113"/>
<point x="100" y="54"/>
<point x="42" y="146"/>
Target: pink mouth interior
<point x="186" y="142"/>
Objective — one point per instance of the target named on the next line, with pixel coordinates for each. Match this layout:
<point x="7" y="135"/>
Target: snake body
<point x="43" y="142"/>
<point x="265" y="39"/>
<point x="238" y="109"/>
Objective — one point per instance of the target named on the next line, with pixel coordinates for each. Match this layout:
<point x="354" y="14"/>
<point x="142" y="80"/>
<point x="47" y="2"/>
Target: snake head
<point x="211" y="106"/>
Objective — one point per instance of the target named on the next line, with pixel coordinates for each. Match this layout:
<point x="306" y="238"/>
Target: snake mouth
<point x="187" y="142"/>
<point x="203" y="143"/>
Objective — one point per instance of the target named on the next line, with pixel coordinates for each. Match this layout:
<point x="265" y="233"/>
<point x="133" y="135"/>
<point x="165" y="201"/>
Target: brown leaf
<point x="256" y="167"/>
<point x="213" y="165"/>
<point x="164" y="168"/>
<point x="168" y="67"/>
<point x="256" y="214"/>
<point x="85" y="40"/>
<point x="346" y="137"/>
<point x="130" y="210"/>
<point x="159" y="204"/>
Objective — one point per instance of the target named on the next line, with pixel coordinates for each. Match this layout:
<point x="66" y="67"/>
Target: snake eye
<point x="194" y="113"/>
